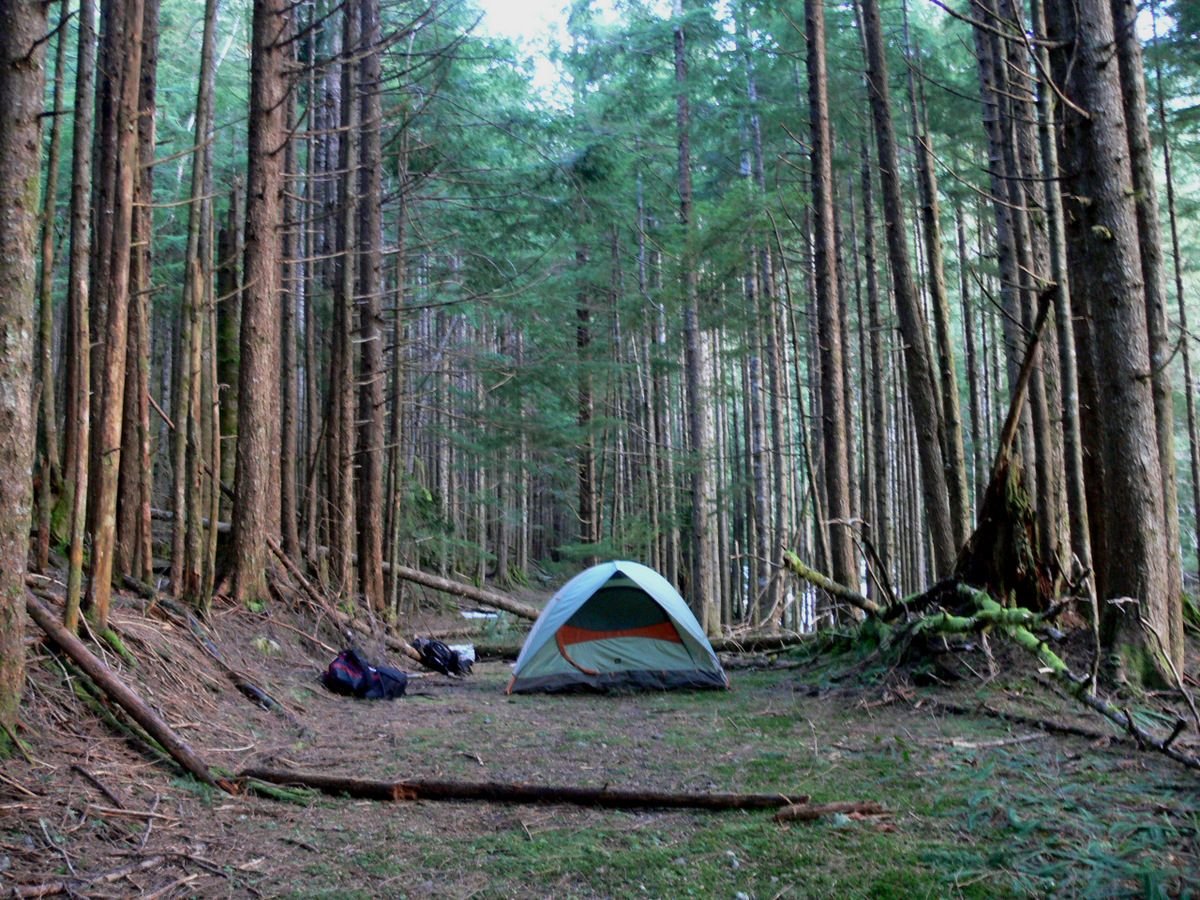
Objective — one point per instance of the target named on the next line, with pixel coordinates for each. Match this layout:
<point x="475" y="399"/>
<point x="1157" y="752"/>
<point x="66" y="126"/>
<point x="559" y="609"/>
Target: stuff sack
<point x="437" y="656"/>
<point x="351" y="675"/>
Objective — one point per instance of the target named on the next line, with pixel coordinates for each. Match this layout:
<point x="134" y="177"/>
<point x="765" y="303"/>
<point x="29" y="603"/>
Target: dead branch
<point x="804" y="812"/>
<point x="499" y="792"/>
<point x="99" y="785"/>
<point x="120" y="693"/>
<point x="51" y="888"/>
<point x="831" y="587"/>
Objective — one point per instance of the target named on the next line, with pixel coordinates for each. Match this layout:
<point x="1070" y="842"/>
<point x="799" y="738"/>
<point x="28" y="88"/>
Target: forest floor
<point x="976" y="805"/>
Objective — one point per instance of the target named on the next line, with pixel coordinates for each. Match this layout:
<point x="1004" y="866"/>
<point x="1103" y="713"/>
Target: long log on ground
<point x="500" y="792"/>
<point x="805" y="812"/>
<point x="470" y="592"/>
<point x="96" y="670"/>
<point x="758" y="643"/>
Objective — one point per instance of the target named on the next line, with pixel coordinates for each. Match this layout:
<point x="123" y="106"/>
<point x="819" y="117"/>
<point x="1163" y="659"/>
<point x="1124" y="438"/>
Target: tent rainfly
<point x="618" y="624"/>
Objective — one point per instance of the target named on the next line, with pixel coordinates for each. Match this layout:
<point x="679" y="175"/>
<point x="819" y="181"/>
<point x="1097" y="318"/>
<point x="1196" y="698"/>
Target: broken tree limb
<point x="500" y="792"/>
<point x="806" y="812"/>
<point x="103" y="677"/>
<point x="470" y="592"/>
<point x="1077" y="686"/>
<point x="831" y="587"/>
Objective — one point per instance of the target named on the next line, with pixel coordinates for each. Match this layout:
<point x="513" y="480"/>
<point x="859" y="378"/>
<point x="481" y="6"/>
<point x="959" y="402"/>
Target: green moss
<point x="110" y="637"/>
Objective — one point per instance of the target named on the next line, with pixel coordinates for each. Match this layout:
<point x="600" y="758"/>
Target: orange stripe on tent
<point x="562" y="648"/>
<point x="661" y="631"/>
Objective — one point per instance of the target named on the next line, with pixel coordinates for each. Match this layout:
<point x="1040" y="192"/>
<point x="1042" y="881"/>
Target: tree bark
<point x="256" y="512"/>
<point x="828" y="295"/>
<point x="51" y="463"/>
<point x="108" y="435"/>
<point x="1145" y="193"/>
<point x="136" y="478"/>
<point x="1106" y="267"/>
<point x="21" y="104"/>
<point x="371" y="517"/>
<point x="78" y="393"/>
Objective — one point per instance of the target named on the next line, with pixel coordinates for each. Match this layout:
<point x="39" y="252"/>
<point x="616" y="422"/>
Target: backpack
<point x="351" y="675"/>
<point x="439" y="657"/>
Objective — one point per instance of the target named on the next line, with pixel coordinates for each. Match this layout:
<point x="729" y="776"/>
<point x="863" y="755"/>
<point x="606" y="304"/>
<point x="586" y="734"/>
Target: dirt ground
<point x="975" y="805"/>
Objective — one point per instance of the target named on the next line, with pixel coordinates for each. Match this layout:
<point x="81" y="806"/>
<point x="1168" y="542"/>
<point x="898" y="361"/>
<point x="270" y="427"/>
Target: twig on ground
<point x="99" y="785"/>
<point x="54" y="845"/>
<point x="17" y="786"/>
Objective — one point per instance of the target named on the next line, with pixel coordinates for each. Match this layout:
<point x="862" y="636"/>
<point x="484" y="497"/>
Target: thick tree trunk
<point x="20" y="106"/>
<point x="1142" y="165"/>
<point x="256" y="514"/>
<point x="1107" y="270"/>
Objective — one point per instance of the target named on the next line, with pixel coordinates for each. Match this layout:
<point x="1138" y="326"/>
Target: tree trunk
<point x="256" y="516"/>
<point x="371" y="516"/>
<point x="21" y="104"/>
<point x="1106" y="267"/>
<point x="1072" y="443"/>
<point x="918" y="364"/>
<point x="229" y="317"/>
<point x="136" y="478"/>
<point x="51" y="464"/>
<point x="292" y="288"/>
<point x="931" y="230"/>
<point x="1142" y="164"/>
<point x="829" y="324"/>
<point x="880" y="515"/>
<point x="703" y="580"/>
<point x="78" y="392"/>
<point x="108" y="435"/>
<point x="1190" y="387"/>
<point x="341" y="435"/>
<point x="973" y="362"/>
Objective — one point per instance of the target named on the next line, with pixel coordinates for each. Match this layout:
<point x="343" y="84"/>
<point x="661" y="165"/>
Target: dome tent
<point x="617" y="624"/>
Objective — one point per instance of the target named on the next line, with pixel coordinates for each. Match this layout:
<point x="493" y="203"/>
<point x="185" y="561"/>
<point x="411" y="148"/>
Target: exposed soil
<point x="92" y="812"/>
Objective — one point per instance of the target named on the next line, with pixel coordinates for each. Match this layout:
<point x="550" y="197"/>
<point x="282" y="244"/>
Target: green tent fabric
<point x="618" y="624"/>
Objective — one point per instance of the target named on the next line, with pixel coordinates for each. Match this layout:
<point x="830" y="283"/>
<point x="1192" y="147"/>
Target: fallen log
<point x="470" y="592"/>
<point x="804" y="812"/>
<point x="500" y="792"/>
<point x="758" y="643"/>
<point x="104" y="678"/>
